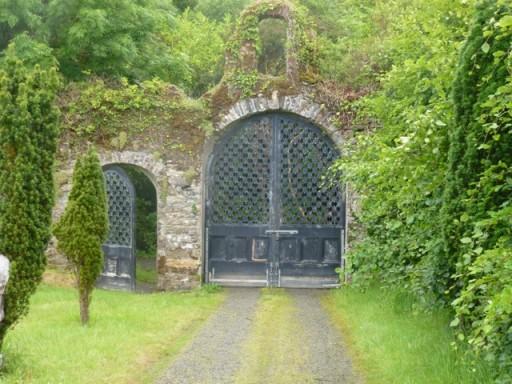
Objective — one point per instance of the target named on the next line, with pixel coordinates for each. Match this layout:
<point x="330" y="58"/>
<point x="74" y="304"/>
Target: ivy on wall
<point x="113" y="113"/>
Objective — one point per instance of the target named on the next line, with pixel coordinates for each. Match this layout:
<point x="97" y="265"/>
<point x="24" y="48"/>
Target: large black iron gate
<point x="119" y="249"/>
<point x="270" y="218"/>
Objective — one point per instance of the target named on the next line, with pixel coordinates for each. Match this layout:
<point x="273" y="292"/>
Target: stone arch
<point x="178" y="232"/>
<point x="153" y="173"/>
<point x="299" y="105"/>
<point x="152" y="168"/>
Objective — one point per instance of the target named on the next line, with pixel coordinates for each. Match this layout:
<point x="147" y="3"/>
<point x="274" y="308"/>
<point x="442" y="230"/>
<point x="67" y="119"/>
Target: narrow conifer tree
<point x="28" y="142"/>
<point x="83" y="227"/>
<point x="479" y="76"/>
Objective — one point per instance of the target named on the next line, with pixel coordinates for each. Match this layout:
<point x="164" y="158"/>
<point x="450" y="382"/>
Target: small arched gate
<point x="271" y="219"/>
<point x="119" y="249"/>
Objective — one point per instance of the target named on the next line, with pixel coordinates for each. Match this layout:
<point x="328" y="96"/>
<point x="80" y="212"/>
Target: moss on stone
<point x="118" y="116"/>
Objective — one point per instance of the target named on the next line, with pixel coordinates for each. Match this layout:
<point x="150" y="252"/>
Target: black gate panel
<point x="119" y="249"/>
<point x="271" y="219"/>
<point x="238" y="206"/>
<point x="308" y="206"/>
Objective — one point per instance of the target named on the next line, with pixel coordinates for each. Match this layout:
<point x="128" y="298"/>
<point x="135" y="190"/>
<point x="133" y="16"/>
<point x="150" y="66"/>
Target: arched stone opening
<point x="245" y="52"/>
<point x="274" y="39"/>
<point x="131" y="248"/>
<point x="239" y="243"/>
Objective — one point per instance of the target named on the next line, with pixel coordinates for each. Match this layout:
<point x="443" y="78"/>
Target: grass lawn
<point x="390" y="343"/>
<point x="131" y="338"/>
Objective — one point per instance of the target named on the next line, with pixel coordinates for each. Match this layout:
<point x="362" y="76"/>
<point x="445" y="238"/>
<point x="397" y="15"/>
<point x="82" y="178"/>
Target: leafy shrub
<point x="398" y="172"/>
<point x="219" y="10"/>
<point x="434" y="181"/>
<point x="31" y="52"/>
<point x="479" y="186"/>
<point x="19" y="16"/>
<point x="199" y="42"/>
<point x="116" y="38"/>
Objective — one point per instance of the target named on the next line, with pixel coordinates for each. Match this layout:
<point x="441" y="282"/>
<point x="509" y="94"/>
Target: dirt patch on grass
<point x="58" y="278"/>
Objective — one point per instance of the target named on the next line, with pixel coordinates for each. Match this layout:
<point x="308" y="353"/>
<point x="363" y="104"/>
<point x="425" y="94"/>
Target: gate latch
<point x="280" y="232"/>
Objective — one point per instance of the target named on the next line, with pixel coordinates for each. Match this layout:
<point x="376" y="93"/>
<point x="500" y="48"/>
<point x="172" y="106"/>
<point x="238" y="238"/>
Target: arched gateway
<point x="119" y="249"/>
<point x="271" y="219"/>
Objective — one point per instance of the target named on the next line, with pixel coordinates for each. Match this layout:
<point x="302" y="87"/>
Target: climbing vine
<point x="112" y="112"/>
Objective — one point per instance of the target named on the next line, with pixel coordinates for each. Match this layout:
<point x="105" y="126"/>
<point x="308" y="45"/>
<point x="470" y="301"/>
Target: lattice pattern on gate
<point x="120" y="212"/>
<point x="241" y="174"/>
<point x="306" y="154"/>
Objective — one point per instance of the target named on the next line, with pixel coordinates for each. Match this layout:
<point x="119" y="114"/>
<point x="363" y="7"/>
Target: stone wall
<point x="178" y="225"/>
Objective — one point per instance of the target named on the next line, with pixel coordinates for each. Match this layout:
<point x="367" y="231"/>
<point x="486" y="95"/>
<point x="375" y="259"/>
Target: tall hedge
<point x="83" y="228"/>
<point x="478" y="199"/>
<point x="472" y="147"/>
<point x="28" y="141"/>
<point x="435" y="180"/>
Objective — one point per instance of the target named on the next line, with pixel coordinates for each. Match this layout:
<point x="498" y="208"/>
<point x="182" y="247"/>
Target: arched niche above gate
<point x="245" y="47"/>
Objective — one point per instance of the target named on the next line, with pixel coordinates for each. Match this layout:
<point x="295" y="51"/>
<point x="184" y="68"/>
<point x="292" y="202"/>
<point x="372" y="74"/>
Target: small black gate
<point x="119" y="249"/>
<point x="271" y="220"/>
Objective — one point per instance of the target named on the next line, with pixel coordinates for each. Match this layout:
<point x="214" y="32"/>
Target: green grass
<point x="146" y="274"/>
<point x="131" y="338"/>
<point x="274" y="351"/>
<point x="392" y="343"/>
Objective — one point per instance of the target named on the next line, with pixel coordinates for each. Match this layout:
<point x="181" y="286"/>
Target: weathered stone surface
<point x="179" y="238"/>
<point x="184" y="265"/>
<point x="178" y="227"/>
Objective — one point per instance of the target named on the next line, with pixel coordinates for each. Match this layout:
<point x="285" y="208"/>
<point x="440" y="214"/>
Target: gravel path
<point x="213" y="357"/>
<point x="218" y="355"/>
<point x="327" y="358"/>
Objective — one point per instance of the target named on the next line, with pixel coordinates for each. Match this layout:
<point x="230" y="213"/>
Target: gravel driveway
<point x="213" y="356"/>
<point x="216" y="355"/>
<point x="328" y="360"/>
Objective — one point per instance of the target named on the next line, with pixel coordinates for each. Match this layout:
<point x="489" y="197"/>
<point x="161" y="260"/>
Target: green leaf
<point x="455" y="322"/>
<point x="499" y="54"/>
<point x="505" y="21"/>
<point x="486" y="47"/>
<point x="465" y="240"/>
